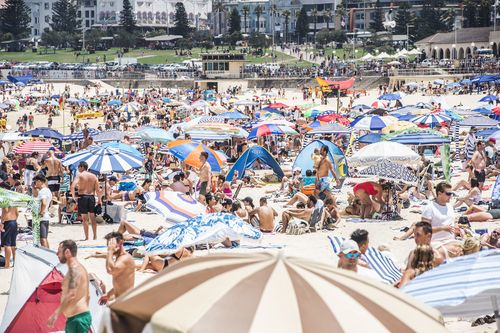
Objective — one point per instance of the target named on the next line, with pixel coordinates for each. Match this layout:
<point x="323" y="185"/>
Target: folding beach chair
<point x="385" y="268"/>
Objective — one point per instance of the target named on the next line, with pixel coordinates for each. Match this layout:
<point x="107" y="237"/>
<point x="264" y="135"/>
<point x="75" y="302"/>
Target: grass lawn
<point x="144" y="56"/>
<point x="347" y="51"/>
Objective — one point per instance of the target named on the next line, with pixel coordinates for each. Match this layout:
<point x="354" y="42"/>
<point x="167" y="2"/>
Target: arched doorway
<point x="494" y="48"/>
<point x="467" y="52"/>
<point x="447" y="54"/>
<point x="441" y="54"/>
<point x="461" y="53"/>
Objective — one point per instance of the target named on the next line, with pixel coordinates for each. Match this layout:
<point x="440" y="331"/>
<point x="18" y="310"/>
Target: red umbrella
<point x="496" y="110"/>
<point x="277" y="106"/>
<point x="329" y="117"/>
<point x="34" y="146"/>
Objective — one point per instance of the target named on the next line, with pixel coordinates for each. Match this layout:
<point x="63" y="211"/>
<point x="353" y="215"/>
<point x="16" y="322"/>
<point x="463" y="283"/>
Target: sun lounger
<point x="380" y="263"/>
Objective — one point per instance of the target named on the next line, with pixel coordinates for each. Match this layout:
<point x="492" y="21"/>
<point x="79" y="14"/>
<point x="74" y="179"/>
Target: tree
<point x="403" y="18"/>
<point x="286" y="14"/>
<point x="258" y="41"/>
<point x="15" y="18"/>
<point x="258" y="12"/>
<point x="64" y="17"/>
<point x="484" y="13"/>
<point x="234" y="21"/>
<point x="181" y="21"/>
<point x="93" y="38"/>
<point x="323" y="37"/>
<point x="327" y="14"/>
<point x="469" y="10"/>
<point x="203" y="39"/>
<point x="430" y="19"/>
<point x="219" y="8"/>
<point x="377" y="24"/>
<point x="127" y="20"/>
<point x="184" y="44"/>
<point x="302" y="24"/>
<point x="126" y="39"/>
<point x="246" y="11"/>
<point x="314" y="14"/>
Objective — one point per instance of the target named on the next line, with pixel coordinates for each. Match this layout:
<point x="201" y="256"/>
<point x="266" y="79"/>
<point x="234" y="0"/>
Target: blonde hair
<point x="471" y="245"/>
<point x="423" y="259"/>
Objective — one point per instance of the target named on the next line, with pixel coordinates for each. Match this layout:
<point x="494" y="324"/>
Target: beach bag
<point x="127" y="186"/>
<point x="308" y="189"/>
<point x="297" y="227"/>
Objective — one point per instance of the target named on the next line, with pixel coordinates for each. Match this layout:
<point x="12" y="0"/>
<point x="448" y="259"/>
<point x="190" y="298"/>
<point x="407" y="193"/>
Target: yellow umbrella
<point x="398" y="126"/>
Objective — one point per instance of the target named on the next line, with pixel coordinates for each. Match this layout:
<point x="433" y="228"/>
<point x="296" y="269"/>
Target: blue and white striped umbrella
<point x="105" y="160"/>
<point x="79" y="135"/>
<point x="203" y="229"/>
<point x="462" y="287"/>
<point x="173" y="206"/>
<point x="431" y="120"/>
<point x="111" y="135"/>
<point x="373" y="123"/>
<point x="130" y="107"/>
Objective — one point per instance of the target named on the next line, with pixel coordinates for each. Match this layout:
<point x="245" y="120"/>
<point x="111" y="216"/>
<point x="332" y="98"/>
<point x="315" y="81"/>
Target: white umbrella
<point x="394" y="63"/>
<point x="392" y="151"/>
<point x="414" y="52"/>
<point x="367" y="56"/>
<point x="12" y="137"/>
<point x="383" y="55"/>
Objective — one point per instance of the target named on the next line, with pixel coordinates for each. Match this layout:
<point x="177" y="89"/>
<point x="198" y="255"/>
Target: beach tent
<point x="20" y="79"/>
<point x="35" y="293"/>
<point x="335" y="155"/>
<point x="249" y="157"/>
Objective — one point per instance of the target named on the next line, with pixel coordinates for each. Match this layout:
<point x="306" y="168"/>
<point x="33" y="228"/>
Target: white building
<point x="41" y="15"/>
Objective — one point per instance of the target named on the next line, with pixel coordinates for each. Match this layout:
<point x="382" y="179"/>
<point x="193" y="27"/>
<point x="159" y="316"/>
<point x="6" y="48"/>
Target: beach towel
<point x="379" y="262"/>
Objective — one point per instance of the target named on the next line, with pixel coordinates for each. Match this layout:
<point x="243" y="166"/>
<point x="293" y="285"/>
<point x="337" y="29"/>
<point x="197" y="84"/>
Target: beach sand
<point x="314" y="246"/>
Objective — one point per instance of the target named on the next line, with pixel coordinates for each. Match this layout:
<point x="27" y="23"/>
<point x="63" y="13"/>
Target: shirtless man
<point x="75" y="292"/>
<point x="120" y="265"/>
<point x="54" y="172"/>
<point x="88" y="188"/>
<point x="478" y="161"/>
<point x="323" y="178"/>
<point x="265" y="215"/>
<point x="205" y="173"/>
<point x="8" y="226"/>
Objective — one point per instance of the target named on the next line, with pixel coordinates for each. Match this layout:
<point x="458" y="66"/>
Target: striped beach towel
<point x="380" y="263"/>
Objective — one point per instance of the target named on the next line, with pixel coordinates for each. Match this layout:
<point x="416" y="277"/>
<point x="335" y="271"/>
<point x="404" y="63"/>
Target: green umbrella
<point x="14" y="199"/>
<point x="95" y="101"/>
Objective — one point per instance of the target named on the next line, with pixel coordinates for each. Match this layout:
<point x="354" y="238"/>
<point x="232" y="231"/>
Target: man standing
<point x="478" y="161"/>
<point x="470" y="143"/>
<point x="205" y="173"/>
<point x="323" y="170"/>
<point x="54" y="173"/>
<point x="75" y="292"/>
<point x="149" y="165"/>
<point x="88" y="188"/>
<point x="120" y="265"/>
<point x="45" y="197"/>
<point x="9" y="233"/>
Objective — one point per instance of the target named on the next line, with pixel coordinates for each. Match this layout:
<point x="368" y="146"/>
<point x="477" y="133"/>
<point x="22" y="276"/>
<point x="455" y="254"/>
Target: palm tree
<point x="286" y="14"/>
<point x="328" y="15"/>
<point x="258" y="12"/>
<point x="314" y="14"/>
<point x="219" y="8"/>
<point x="246" y="11"/>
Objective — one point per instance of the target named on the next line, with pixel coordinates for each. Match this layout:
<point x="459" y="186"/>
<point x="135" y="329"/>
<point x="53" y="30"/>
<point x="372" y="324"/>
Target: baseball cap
<point x="113" y="179"/>
<point x="493" y="140"/>
<point x="349" y="246"/>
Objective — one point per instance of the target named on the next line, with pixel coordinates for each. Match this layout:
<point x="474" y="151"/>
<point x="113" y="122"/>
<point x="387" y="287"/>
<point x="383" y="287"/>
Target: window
<point x="226" y="66"/>
<point x="210" y="66"/>
<point x="111" y="4"/>
<point x="92" y="14"/>
<point x="79" y="14"/>
<point x="87" y="24"/>
<point x="36" y="20"/>
<point x="35" y="32"/>
<point x="87" y="14"/>
<point x="46" y="5"/>
<point x="47" y="19"/>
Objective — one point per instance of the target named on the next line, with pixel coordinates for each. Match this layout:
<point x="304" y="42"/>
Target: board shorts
<point x="9" y="233"/>
<point x="86" y="204"/>
<point x="480" y="175"/>
<point x="203" y="188"/>
<point x="54" y="183"/>
<point x="79" y="323"/>
<point x="44" y="229"/>
<point x="324" y="184"/>
<point x="495" y="213"/>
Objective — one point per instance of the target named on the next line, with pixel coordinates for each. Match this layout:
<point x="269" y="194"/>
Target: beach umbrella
<point x="421" y="137"/>
<point x="4" y="106"/>
<point x="361" y="106"/>
<point x="390" y="171"/>
<point x="111" y="135"/>
<point x="412" y="84"/>
<point x="379" y="104"/>
<point x="378" y="112"/>
<point x="130" y="107"/>
<point x="462" y="287"/>
<point x="453" y="85"/>
<point x="273" y="293"/>
<point x="495" y="135"/>
<point x="403" y="117"/>
<point x="165" y="100"/>
<point x="496" y="110"/>
<point x="438" y="82"/>
<point x="114" y="102"/>
<point x="329" y="128"/>
<point x="431" y="120"/>
<point x="478" y="121"/>
<point x="330" y="116"/>
<point x="233" y="115"/>
<point x="391" y="151"/>
<point x="173" y="206"/>
<point x="272" y="110"/>
<point x="123" y="147"/>
<point x="277" y="106"/>
<point x="12" y="137"/>
<point x="271" y="129"/>
<point x="394" y="63"/>
<point x="390" y="97"/>
<point x="189" y="152"/>
<point x="44" y="132"/>
<point x="105" y="159"/>
<point x="203" y="229"/>
<point x="370" y="138"/>
<point x="423" y="105"/>
<point x="311" y="113"/>
<point x="79" y="135"/>
<point x="154" y="134"/>
<point x="280" y="122"/>
<point x="372" y="123"/>
<point x="314" y="124"/>
<point x="483" y="110"/>
<point x="398" y="126"/>
<point x="34" y="146"/>
<point x="72" y="100"/>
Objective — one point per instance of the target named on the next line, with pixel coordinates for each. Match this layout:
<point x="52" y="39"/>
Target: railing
<point x="437" y="71"/>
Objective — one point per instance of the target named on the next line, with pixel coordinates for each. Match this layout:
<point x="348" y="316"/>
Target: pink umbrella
<point x="379" y="104"/>
<point x="34" y="146"/>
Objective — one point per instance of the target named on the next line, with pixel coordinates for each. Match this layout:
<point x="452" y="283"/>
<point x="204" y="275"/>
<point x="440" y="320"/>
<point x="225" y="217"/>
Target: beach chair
<point x="385" y="268"/>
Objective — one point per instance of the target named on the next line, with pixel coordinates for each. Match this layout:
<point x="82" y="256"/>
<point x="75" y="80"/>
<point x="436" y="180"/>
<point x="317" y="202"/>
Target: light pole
<point x="408" y="26"/>
<point x="273" y="12"/>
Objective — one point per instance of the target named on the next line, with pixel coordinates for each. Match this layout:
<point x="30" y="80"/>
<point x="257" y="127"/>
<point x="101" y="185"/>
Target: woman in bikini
<point x="370" y="197"/>
<point x="136" y="195"/>
<point x="158" y="263"/>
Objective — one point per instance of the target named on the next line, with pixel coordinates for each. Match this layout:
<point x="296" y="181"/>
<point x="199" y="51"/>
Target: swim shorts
<point x="480" y="175"/>
<point x="203" y="188"/>
<point x="324" y="184"/>
<point x="495" y="213"/>
<point x="9" y="233"/>
<point x="79" y="323"/>
<point x="44" y="229"/>
<point x="54" y="183"/>
<point x="86" y="204"/>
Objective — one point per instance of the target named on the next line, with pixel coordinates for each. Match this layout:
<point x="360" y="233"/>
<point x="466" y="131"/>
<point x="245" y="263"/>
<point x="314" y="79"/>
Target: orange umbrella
<point x="189" y="152"/>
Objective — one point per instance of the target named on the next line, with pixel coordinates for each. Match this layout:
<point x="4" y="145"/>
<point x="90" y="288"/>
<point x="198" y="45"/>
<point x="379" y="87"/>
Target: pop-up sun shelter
<point x="335" y="155"/>
<point x="248" y="158"/>
<point x="35" y="293"/>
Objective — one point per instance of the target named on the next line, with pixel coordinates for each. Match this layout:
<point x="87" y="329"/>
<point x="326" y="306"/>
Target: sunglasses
<point x="448" y="193"/>
<point x="495" y="233"/>
<point x="352" y="255"/>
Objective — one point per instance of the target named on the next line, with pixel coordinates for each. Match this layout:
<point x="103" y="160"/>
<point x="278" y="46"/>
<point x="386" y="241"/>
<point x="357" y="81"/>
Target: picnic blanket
<point x="385" y="268"/>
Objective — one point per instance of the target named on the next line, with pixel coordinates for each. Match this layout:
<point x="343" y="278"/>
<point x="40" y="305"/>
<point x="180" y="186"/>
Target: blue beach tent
<point x="249" y="157"/>
<point x="335" y="155"/>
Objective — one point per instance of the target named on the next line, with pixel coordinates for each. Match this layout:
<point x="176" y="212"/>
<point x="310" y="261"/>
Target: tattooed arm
<point x="69" y="289"/>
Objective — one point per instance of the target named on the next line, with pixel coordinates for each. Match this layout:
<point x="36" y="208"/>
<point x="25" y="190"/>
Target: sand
<point x="314" y="246"/>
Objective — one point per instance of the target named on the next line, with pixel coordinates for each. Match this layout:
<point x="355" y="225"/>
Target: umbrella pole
<point x="496" y="311"/>
<point x="105" y="194"/>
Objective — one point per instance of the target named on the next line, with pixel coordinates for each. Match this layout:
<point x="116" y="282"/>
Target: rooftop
<point x="466" y="35"/>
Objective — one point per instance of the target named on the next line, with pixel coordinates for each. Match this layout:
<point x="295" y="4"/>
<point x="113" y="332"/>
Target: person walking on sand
<point x="120" y="265"/>
<point x="323" y="179"/>
<point x="205" y="174"/>
<point x="54" y="173"/>
<point x="75" y="292"/>
<point x="88" y="187"/>
<point x="45" y="198"/>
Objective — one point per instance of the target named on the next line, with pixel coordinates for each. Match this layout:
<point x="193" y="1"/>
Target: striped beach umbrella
<point x="130" y="107"/>
<point x="44" y="132"/>
<point x="463" y="287"/>
<point x="271" y="294"/>
<point x="270" y="129"/>
<point x="105" y="159"/>
<point x="372" y="123"/>
<point x="79" y="135"/>
<point x="332" y="116"/>
<point x="34" y="146"/>
<point x="189" y="152"/>
<point x="107" y="136"/>
<point x="431" y="120"/>
<point x="173" y="206"/>
<point x="154" y="134"/>
<point x="379" y="104"/>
